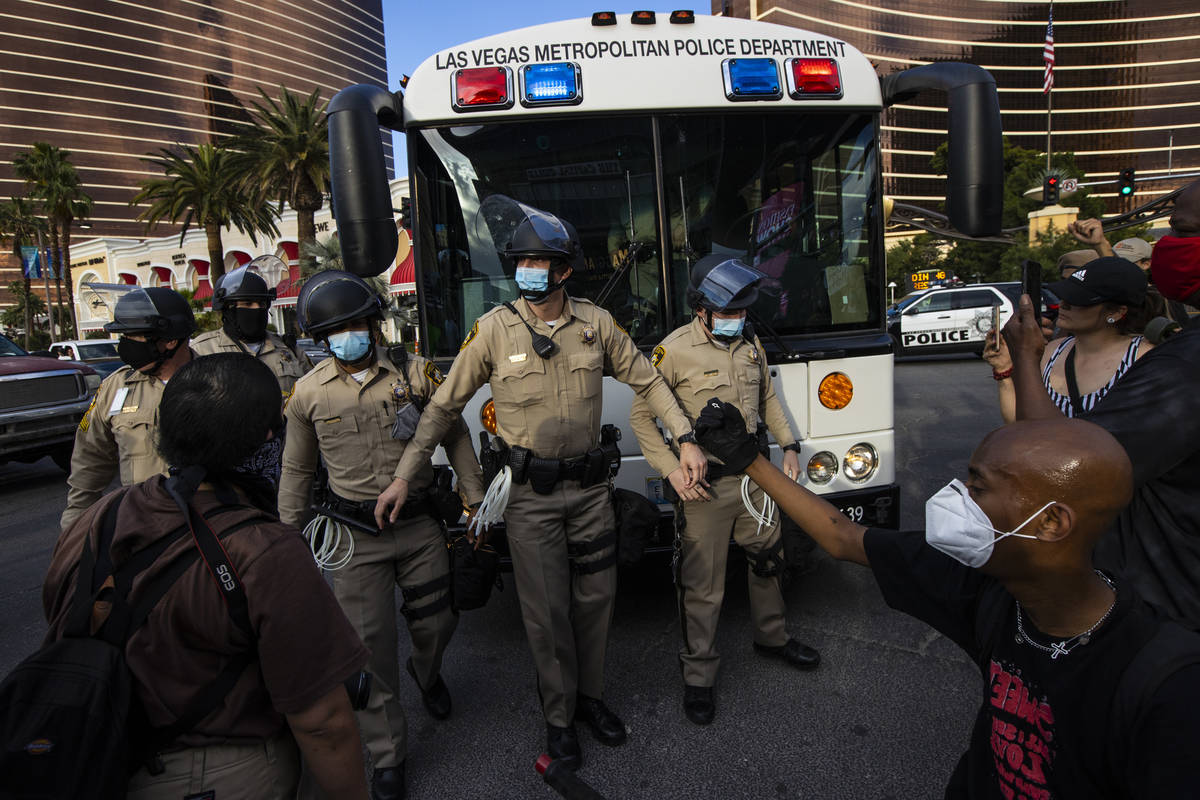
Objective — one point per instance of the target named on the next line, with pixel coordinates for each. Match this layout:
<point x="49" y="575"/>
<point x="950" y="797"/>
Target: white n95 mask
<point x="957" y="526"/>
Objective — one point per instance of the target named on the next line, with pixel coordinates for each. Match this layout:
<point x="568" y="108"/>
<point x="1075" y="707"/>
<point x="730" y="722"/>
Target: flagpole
<point x="42" y="251"/>
<point x="1048" y="81"/>
<point x="1049" y="103"/>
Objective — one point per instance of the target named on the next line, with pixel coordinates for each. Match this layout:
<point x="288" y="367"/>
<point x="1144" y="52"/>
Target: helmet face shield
<point x="729" y="286"/>
<point x="249" y="282"/>
<point x="516" y="229"/>
<point x="125" y="308"/>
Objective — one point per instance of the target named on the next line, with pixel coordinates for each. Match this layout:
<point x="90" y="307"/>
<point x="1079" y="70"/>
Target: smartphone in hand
<point x="1031" y="284"/>
<point x="996" y="325"/>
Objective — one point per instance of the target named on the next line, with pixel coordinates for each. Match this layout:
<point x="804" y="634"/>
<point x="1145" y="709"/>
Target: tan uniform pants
<point x="410" y="553"/>
<point x="266" y="770"/>
<point x="566" y="614"/>
<point x="705" y="548"/>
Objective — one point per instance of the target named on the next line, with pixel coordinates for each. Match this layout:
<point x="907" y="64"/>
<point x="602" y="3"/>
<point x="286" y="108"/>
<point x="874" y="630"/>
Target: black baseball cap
<point x="1105" y="280"/>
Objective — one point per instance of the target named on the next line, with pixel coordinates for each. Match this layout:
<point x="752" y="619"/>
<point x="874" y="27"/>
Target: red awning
<point x="403" y="279"/>
<point x="203" y="290"/>
<point x="200" y="265"/>
<point x="289" y="287"/>
<point x="291" y="250"/>
<point x="243" y="258"/>
<point x="164" y="275"/>
<point x="129" y="278"/>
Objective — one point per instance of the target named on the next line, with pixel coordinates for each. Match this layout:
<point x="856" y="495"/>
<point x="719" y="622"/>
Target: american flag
<point x="1048" y="54"/>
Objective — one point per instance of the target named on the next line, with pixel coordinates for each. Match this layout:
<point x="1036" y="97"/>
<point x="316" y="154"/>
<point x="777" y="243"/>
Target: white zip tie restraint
<point x="330" y="533"/>
<point x="765" y="517"/>
<point x="495" y="500"/>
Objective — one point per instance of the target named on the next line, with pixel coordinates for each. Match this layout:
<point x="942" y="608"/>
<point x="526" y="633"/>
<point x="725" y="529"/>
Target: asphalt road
<point x="885" y="716"/>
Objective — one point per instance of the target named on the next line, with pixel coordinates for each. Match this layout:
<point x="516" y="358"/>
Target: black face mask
<point x="138" y="354"/>
<point x="248" y="324"/>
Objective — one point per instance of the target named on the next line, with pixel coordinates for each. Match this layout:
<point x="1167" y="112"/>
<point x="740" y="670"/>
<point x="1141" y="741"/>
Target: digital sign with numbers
<point x="928" y="278"/>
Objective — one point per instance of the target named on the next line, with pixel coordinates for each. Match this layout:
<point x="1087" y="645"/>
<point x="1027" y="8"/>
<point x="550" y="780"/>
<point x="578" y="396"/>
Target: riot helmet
<point x="159" y="314"/>
<point x="519" y="231"/>
<point x="243" y="285"/>
<point x="333" y="298"/>
<point x="722" y="284"/>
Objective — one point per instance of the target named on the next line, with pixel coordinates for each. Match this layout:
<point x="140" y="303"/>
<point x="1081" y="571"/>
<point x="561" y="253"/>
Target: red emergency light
<point x="813" y="77"/>
<point x="482" y="88"/>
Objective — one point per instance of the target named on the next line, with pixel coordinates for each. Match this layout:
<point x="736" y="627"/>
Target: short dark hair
<point x="217" y="410"/>
<point x="1136" y="316"/>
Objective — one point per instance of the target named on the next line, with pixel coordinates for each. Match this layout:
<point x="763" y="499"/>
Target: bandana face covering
<point x="249" y="324"/>
<point x="1175" y="266"/>
<point x="958" y="527"/>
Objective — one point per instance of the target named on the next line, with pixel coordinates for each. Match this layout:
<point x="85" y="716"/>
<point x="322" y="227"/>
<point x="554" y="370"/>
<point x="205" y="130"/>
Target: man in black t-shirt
<point x="1087" y="693"/>
<point x="1152" y="411"/>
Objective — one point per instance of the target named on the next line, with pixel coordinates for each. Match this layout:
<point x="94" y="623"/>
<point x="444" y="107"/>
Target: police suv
<point x="949" y="320"/>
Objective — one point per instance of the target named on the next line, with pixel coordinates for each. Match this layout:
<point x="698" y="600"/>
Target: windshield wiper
<point x="620" y="272"/>
<point x="774" y="336"/>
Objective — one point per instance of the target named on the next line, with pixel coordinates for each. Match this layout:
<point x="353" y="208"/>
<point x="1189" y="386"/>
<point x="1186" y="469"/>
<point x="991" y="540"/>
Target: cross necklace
<point x="1065" y="646"/>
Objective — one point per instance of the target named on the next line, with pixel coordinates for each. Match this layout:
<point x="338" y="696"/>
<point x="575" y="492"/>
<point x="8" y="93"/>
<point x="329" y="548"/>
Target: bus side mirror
<point x="362" y="200"/>
<point x="975" y="171"/>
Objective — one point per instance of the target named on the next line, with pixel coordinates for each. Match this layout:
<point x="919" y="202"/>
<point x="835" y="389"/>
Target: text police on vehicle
<point x="948" y="320"/>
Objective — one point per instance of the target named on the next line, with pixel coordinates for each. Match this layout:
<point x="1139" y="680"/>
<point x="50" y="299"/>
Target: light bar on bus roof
<point x="552" y="84"/>
<point x="751" y="79"/>
<point x="813" y="77"/>
<point x="642" y="18"/>
<point x="601" y="18"/>
<point x="482" y="89"/>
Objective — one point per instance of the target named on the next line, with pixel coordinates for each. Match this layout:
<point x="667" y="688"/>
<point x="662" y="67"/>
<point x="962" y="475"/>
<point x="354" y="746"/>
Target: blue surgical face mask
<point x="350" y="346"/>
<point x="728" y="328"/>
<point x="531" y="279"/>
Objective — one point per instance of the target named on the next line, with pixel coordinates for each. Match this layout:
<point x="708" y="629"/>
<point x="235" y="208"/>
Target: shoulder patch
<point x="657" y="356"/>
<point x="433" y="373"/>
<point x="86" y="421"/>
<point x="471" y="334"/>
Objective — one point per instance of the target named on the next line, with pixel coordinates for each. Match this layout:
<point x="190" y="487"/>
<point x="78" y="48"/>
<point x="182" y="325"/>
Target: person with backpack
<point x="1087" y="692"/>
<point x="235" y="649"/>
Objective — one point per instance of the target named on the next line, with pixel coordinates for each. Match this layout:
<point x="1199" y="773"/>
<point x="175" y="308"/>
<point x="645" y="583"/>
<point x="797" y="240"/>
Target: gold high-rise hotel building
<point x="114" y="80"/>
<point x="1126" y="82"/>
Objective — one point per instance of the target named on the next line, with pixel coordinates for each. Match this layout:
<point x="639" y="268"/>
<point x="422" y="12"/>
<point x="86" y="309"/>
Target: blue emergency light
<point x="751" y="79"/>
<point x="553" y="84"/>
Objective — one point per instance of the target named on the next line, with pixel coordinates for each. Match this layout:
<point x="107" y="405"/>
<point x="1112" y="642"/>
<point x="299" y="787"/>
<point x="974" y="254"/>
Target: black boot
<point x="388" y="783"/>
<point x="698" y="704"/>
<point x="798" y="655"/>
<point x="436" y="698"/>
<point x="606" y="726"/>
<point x="562" y="744"/>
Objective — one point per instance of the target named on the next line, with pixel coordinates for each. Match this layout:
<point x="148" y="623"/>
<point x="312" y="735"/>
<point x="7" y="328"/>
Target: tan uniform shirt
<point x="116" y="433"/>
<point x="698" y="369"/>
<point x="287" y="366"/>
<point x="351" y="426"/>
<point x="551" y="406"/>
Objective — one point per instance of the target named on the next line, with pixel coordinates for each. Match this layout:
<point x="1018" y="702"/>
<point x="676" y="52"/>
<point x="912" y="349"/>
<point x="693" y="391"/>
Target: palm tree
<point x="204" y="185"/>
<point x="286" y="155"/>
<point x="50" y="177"/>
<point x="19" y="226"/>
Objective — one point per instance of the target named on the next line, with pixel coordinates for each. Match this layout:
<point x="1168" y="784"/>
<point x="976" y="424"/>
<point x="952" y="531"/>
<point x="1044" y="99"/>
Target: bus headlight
<point x="860" y="462"/>
<point x="822" y="467"/>
<point x="487" y="417"/>
<point x="835" y="390"/>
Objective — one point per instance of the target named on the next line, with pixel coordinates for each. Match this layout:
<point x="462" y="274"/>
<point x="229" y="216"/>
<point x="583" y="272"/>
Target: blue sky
<point x="416" y="29"/>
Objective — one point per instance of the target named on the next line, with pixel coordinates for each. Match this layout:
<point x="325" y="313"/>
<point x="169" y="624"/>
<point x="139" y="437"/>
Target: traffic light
<point x="406" y="213"/>
<point x="1050" y="190"/>
<point x="1125" y="182"/>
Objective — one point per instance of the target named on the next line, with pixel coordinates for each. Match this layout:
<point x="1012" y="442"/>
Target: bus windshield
<point x="792" y="194"/>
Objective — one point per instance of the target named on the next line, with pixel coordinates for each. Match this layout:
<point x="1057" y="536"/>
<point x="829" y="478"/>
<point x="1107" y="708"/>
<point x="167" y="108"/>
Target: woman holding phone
<point x="1100" y="321"/>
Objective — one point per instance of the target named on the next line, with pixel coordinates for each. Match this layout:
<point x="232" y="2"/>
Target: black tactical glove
<point x="722" y="432"/>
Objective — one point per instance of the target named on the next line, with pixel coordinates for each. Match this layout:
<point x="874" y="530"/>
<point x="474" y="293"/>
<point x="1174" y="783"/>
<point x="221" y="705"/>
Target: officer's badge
<point x="433" y="373"/>
<point x="87" y="415"/>
<point x="588" y="335"/>
<point x="400" y="393"/>
<point x="754" y="354"/>
<point x="657" y="356"/>
<point x="470" y="335"/>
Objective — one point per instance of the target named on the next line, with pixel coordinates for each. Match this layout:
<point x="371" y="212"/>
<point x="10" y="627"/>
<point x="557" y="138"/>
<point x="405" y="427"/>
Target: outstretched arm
<point x="722" y="431"/>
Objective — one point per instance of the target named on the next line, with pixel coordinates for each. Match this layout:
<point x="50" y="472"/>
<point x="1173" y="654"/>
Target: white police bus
<point x="663" y="139"/>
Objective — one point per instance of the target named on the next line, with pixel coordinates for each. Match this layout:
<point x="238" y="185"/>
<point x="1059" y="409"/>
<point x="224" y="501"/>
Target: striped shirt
<point x="1089" y="400"/>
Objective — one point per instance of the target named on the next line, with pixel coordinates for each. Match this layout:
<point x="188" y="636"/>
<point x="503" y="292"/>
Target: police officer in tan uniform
<point x="116" y="434"/>
<point x="358" y="411"/>
<point x="545" y="357"/>
<point x="244" y="301"/>
<point x="714" y="356"/>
